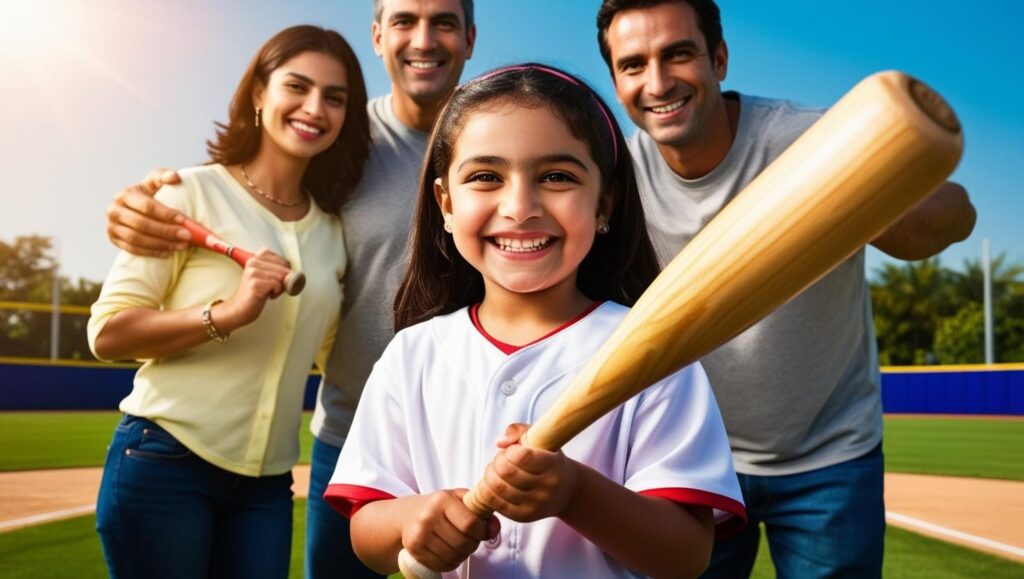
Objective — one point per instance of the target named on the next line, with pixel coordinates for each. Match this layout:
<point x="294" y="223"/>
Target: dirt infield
<point x="978" y="513"/>
<point x="983" y="514"/>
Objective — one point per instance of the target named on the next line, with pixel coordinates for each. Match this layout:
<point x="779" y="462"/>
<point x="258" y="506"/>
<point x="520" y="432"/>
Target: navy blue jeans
<point x="164" y="512"/>
<point x="828" y="522"/>
<point x="328" y="544"/>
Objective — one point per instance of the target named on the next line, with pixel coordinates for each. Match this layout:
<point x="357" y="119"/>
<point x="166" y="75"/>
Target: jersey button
<point x="494" y="541"/>
<point x="508" y="387"/>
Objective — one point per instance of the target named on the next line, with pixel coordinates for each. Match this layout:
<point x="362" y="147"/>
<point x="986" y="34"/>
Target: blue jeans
<point x="828" y="522"/>
<point x="164" y="512"/>
<point x="328" y="544"/>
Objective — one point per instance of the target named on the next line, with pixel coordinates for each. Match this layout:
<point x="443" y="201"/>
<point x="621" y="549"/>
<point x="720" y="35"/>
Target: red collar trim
<point x="509" y="348"/>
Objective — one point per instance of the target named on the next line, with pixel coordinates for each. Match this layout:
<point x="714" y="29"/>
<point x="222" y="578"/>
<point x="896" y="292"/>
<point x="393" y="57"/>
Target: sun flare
<point x="29" y="26"/>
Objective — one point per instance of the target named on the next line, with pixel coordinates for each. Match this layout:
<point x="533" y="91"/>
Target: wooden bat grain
<point x="875" y="154"/>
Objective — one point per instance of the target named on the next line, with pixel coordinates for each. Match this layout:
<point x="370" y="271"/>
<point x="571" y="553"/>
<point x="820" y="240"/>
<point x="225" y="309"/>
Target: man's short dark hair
<point x="467" y="12"/>
<point x="709" y="21"/>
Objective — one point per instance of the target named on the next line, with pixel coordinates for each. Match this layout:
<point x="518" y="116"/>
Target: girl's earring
<point x="448" y="223"/>
<point x="602" y="225"/>
<point x="258" y="111"/>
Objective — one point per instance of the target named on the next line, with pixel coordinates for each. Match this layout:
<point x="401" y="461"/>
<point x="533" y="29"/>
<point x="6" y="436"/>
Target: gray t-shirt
<point x="799" y="390"/>
<point x="376" y="221"/>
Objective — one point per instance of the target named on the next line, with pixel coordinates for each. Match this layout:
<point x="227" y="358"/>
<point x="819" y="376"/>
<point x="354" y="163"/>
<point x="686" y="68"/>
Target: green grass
<point x="910" y="556"/>
<point x="955" y="447"/>
<point x="35" y="440"/>
<point x="944" y="446"/>
<point x="71" y="549"/>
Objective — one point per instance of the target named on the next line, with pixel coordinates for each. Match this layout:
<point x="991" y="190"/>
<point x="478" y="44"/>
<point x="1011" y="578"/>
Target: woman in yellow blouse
<point x="197" y="481"/>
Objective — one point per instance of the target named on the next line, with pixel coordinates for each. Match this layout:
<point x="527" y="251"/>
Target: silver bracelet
<point x="211" y="329"/>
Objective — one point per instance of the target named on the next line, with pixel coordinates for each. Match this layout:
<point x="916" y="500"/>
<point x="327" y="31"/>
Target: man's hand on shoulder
<point x="140" y="225"/>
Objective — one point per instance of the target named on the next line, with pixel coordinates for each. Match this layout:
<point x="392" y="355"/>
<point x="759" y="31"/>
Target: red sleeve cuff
<point x="348" y="499"/>
<point x="723" y="529"/>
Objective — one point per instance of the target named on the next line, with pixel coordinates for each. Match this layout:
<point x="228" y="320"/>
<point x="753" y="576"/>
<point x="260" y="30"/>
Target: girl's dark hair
<point x="331" y="175"/>
<point x="620" y="265"/>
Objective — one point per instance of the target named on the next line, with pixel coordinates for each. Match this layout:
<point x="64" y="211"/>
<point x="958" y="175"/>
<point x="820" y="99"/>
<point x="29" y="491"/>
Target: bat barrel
<point x="933" y="105"/>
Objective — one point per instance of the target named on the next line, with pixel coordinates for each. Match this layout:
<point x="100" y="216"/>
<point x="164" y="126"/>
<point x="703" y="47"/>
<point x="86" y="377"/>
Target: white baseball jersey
<point x="443" y="392"/>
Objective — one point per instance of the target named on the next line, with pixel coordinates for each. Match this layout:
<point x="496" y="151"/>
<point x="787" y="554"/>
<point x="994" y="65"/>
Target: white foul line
<point x="968" y="538"/>
<point x="46" y="517"/>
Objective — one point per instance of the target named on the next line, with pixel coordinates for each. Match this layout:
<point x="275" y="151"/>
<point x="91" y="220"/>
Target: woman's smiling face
<point x="303" y="104"/>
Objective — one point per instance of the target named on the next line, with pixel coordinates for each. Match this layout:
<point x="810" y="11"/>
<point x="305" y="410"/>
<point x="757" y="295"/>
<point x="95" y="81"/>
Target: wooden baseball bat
<point x="875" y="154"/>
<point x="294" y="282"/>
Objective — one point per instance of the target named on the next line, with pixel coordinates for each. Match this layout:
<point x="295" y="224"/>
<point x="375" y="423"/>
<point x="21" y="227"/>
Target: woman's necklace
<point x="260" y="192"/>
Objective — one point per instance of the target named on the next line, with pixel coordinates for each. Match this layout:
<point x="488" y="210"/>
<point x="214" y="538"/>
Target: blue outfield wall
<point x="78" y="386"/>
<point x="997" y="389"/>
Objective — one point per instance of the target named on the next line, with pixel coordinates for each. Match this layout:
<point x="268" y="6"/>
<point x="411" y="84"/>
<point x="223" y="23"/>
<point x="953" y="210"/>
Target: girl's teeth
<point x="521" y="245"/>
<point x="416" y="64"/>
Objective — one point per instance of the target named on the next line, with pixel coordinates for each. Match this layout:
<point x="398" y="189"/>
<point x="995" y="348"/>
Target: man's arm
<point x="143" y="226"/>
<point x="945" y="217"/>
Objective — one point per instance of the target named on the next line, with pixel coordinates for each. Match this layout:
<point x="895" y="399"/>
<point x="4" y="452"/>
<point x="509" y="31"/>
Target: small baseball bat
<point x="874" y="155"/>
<point x="203" y="237"/>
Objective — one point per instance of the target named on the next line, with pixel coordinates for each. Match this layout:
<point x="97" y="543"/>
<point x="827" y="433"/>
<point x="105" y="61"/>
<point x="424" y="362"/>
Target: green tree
<point x="925" y="313"/>
<point x="909" y="301"/>
<point x="26" y="275"/>
<point x="961" y="338"/>
<point x="26" y="269"/>
<point x="1007" y="304"/>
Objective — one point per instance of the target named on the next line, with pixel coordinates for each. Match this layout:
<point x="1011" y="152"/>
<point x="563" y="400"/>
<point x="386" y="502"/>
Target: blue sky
<point x="98" y="93"/>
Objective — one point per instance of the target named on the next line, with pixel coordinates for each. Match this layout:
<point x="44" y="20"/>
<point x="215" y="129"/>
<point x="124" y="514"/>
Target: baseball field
<point x="945" y="446"/>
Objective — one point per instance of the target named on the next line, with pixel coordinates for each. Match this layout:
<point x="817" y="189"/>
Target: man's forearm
<point x="945" y="217"/>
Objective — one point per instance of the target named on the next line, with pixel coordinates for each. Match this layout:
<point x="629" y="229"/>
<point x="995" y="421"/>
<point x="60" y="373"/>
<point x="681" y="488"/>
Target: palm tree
<point x="1007" y="307"/>
<point x="909" y="301"/>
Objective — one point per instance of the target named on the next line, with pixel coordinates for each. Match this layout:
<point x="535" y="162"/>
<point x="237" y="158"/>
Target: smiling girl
<point x="529" y="243"/>
<point x="197" y="481"/>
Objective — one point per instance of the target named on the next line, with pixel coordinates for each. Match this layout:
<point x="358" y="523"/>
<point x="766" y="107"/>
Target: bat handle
<point x="413" y="569"/>
<point x="294" y="282"/>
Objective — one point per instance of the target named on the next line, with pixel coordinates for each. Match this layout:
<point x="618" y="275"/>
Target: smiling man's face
<point x="664" y="77"/>
<point x="424" y="45"/>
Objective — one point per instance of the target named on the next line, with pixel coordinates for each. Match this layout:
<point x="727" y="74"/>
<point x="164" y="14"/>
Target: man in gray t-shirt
<point x="424" y="45"/>
<point x="798" y="391"/>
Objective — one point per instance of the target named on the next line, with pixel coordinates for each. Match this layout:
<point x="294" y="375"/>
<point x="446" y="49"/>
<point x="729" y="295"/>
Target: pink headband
<point x="571" y="80"/>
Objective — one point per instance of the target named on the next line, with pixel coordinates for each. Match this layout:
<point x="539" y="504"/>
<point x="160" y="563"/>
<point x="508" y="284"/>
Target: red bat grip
<point x="203" y="237"/>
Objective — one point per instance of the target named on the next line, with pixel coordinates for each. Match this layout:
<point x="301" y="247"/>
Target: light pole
<point x="55" y="313"/>
<point x="986" y="267"/>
